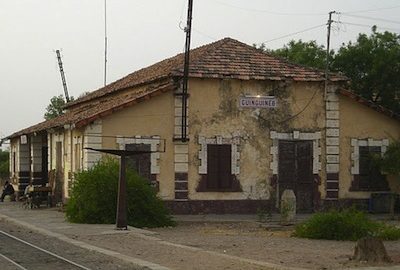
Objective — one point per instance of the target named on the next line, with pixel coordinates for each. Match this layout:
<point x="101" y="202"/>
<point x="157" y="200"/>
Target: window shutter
<point x="364" y="161"/>
<point x="225" y="166"/>
<point x="370" y="177"/>
<point x="212" y="167"/>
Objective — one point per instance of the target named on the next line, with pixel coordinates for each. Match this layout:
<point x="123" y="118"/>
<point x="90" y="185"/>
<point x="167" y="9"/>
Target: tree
<point x="4" y="164"/>
<point x="390" y="162"/>
<point x="304" y="53"/>
<point x="373" y="65"/>
<point x="55" y="108"/>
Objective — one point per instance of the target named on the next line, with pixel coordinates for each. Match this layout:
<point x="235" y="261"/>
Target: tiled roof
<point x="226" y="58"/>
<point x="94" y="110"/>
<point x="369" y="103"/>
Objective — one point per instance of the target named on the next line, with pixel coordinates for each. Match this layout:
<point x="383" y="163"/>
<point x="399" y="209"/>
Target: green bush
<point x="387" y="232"/>
<point x="348" y="224"/>
<point x="94" y="198"/>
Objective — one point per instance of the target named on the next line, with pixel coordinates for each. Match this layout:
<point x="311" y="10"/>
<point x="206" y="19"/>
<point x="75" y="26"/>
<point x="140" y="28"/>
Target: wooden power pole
<point x="188" y="30"/>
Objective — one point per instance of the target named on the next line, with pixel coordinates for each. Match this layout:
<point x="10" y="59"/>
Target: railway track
<point x="20" y="254"/>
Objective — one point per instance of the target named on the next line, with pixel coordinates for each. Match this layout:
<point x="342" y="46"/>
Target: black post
<point x="188" y="31"/>
<point x="122" y="208"/>
<point x="328" y="42"/>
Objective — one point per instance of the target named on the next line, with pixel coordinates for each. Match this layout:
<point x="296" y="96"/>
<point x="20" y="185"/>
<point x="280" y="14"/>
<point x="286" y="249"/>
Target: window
<point x="219" y="164"/>
<point x="370" y="177"/>
<point x="141" y="163"/>
<point x="219" y="173"/>
<point x="78" y="150"/>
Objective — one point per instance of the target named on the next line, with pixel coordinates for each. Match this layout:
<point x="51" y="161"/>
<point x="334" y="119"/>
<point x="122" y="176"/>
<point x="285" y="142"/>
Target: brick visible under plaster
<point x="332" y="132"/>
<point x="332" y="105"/>
<point x="332" y="123"/>
<point x="332" y="150"/>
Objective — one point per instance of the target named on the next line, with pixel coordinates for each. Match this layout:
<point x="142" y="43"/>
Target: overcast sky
<point x="143" y="32"/>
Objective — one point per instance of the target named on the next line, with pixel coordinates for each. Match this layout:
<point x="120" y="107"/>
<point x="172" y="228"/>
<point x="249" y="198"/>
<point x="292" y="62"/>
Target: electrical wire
<point x="302" y="110"/>
<point x="370" y="26"/>
<point x="204" y="34"/>
<point x="371" y="18"/>
<point x="295" y="33"/>
<point x="268" y="11"/>
<point x="369" y="10"/>
<point x="299" y="14"/>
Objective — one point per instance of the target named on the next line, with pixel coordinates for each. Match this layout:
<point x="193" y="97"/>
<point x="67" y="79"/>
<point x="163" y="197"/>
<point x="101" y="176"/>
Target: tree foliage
<point x="4" y="164"/>
<point x="390" y="162"/>
<point x="55" y="108"/>
<point x="305" y="53"/>
<point x="94" y="198"/>
<point x="373" y="65"/>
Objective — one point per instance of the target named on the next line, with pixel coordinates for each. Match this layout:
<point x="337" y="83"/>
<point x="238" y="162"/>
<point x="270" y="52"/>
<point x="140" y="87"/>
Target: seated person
<point x="26" y="193"/>
<point x="7" y="190"/>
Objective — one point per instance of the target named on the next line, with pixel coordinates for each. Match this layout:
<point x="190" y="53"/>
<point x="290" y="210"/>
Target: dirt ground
<point x="199" y="241"/>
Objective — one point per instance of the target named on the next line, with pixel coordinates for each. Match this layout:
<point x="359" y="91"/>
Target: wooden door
<point x="295" y="172"/>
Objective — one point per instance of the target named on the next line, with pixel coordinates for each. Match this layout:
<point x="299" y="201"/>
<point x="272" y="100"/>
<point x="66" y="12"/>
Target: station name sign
<point x="258" y="102"/>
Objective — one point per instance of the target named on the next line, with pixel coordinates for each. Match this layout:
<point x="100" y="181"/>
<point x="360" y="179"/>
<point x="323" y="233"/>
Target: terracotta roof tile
<point x="369" y="103"/>
<point x="226" y="58"/>
<point x="83" y="115"/>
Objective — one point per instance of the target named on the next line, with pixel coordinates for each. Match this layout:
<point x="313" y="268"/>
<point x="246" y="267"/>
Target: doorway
<point x="295" y="172"/>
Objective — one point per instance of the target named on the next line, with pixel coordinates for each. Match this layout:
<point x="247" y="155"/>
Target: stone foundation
<point x="197" y="207"/>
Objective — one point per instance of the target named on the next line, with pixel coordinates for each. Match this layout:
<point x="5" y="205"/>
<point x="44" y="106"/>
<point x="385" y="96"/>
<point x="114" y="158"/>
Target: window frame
<point x="232" y="159"/>
<point x="362" y="181"/>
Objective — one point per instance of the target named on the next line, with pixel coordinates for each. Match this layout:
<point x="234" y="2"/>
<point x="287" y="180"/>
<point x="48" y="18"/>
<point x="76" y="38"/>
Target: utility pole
<point x="188" y="30"/>
<point x="64" y="82"/>
<point x="328" y="41"/>
<point x="105" y="42"/>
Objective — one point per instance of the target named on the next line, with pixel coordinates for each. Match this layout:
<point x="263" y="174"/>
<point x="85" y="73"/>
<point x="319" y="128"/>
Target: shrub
<point x="348" y="224"/>
<point x="94" y="198"/>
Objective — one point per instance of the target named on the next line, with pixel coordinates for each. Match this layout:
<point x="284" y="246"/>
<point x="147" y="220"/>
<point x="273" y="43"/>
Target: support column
<point x="181" y="152"/>
<point x="181" y="164"/>
<point x="332" y="144"/>
<point x="36" y="145"/>
<point x="23" y="163"/>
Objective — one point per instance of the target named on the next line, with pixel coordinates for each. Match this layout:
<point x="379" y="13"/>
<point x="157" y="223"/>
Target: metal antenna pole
<point x="105" y="42"/>
<point x="188" y="31"/>
<point x="64" y="82"/>
<point x="328" y="41"/>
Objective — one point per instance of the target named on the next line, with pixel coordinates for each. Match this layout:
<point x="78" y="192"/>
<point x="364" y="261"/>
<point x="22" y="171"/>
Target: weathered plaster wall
<point x="361" y="122"/>
<point x="214" y="111"/>
<point x="154" y="117"/>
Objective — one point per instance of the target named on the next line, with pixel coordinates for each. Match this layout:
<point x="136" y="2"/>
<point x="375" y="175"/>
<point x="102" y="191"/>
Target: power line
<point x="371" y="18"/>
<point x="295" y="33"/>
<point x="370" y="26"/>
<point x="268" y="11"/>
<point x="369" y="10"/>
<point x="298" y="14"/>
<point x="203" y="34"/>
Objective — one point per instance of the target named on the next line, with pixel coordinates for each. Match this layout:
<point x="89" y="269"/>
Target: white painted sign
<point x="258" y="102"/>
<point x="24" y="139"/>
